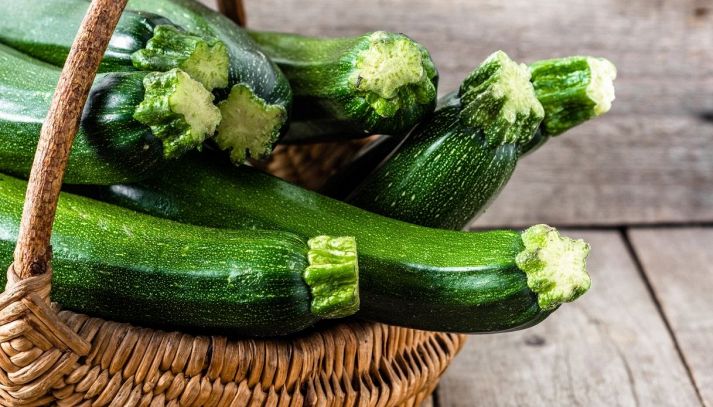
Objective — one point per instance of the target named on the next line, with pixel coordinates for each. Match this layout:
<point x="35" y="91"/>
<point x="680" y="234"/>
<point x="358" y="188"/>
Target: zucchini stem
<point x="390" y="73"/>
<point x="555" y="266"/>
<point x="380" y="82"/>
<point x="333" y="276"/>
<point x="205" y="59"/>
<point x="572" y="90"/>
<point x="498" y="98"/>
<point x="179" y="111"/>
<point x="249" y="126"/>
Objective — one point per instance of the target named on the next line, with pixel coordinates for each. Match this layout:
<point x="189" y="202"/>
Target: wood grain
<point x="33" y="252"/>
<point x="679" y="265"/>
<point x="610" y="348"/>
<point x="649" y="160"/>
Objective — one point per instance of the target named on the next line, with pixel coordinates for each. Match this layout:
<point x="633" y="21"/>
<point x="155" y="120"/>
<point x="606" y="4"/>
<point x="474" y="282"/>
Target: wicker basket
<point x="49" y="356"/>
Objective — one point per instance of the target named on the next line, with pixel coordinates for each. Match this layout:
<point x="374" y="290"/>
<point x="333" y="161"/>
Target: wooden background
<point x="650" y="160"/>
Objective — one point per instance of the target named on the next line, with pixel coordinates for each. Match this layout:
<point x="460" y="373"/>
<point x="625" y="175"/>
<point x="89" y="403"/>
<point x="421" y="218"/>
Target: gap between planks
<point x="678" y="265"/>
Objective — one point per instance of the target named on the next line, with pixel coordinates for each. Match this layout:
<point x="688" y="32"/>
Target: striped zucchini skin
<point x="409" y="275"/>
<point x="45" y="29"/>
<point x="342" y="182"/>
<point x="117" y="264"/>
<point x="110" y="146"/>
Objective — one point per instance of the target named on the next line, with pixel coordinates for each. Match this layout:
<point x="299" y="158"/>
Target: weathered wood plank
<point x="622" y="170"/>
<point x="610" y="348"/>
<point x="650" y="159"/>
<point x="679" y="265"/>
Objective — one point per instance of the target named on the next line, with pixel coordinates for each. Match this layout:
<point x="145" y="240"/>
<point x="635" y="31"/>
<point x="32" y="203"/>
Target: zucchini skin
<point x="114" y="263"/>
<point x="409" y="275"/>
<point x="45" y="29"/>
<point x="442" y="176"/>
<point x="340" y="93"/>
<point x="111" y="146"/>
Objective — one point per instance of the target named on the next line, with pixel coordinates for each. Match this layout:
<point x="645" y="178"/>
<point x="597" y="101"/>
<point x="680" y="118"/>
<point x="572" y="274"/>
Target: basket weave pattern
<point x="350" y="364"/>
<point x="310" y="165"/>
<point x="50" y="356"/>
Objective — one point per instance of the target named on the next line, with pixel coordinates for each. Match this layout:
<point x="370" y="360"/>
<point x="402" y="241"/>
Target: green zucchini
<point x="133" y="121"/>
<point x="115" y="263"/>
<point x="256" y="104"/>
<point x="453" y="165"/>
<point x="409" y="275"/>
<point x="45" y="29"/>
<point x="572" y="90"/>
<point x="349" y="87"/>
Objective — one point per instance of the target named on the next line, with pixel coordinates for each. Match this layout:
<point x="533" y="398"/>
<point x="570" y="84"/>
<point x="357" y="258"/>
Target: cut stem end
<point x="393" y="71"/>
<point x="498" y="98"/>
<point x="204" y="59"/>
<point x="333" y="276"/>
<point x="249" y="126"/>
<point x="179" y="111"/>
<point x="555" y="266"/>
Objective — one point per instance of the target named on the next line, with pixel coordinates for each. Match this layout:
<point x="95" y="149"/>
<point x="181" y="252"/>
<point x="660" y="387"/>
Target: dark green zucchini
<point x="350" y="87"/>
<point x="115" y="263"/>
<point x="258" y="99"/>
<point x="453" y="165"/>
<point x="45" y="29"/>
<point x="133" y="121"/>
<point x="409" y="275"/>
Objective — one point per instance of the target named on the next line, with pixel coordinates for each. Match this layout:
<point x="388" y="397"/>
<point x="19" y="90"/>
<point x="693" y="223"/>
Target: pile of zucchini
<point x="162" y="222"/>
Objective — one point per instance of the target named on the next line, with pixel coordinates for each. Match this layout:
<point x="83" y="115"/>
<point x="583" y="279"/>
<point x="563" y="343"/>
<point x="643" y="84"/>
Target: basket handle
<point x="234" y="10"/>
<point x="33" y="252"/>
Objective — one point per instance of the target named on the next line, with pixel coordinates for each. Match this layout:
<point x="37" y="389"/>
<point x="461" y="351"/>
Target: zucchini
<point x="409" y="275"/>
<point x="114" y="263"/>
<point x="453" y="165"/>
<point x="256" y="104"/>
<point x="572" y="90"/>
<point x="45" y="29"/>
<point x="349" y="87"/>
<point x="132" y="123"/>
